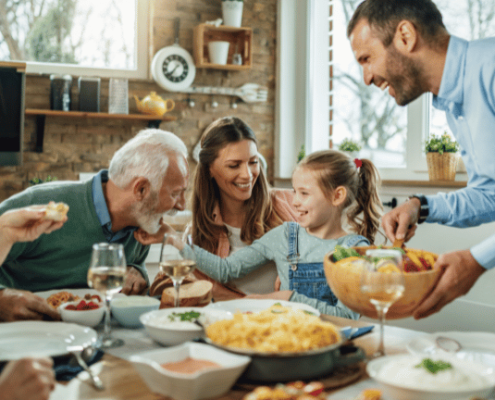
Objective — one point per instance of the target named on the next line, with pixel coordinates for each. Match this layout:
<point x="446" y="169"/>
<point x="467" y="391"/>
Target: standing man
<point x="147" y="178"/>
<point x="403" y="46"/>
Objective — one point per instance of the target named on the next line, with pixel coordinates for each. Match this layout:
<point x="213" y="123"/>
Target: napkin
<point x="353" y="333"/>
<point x="65" y="370"/>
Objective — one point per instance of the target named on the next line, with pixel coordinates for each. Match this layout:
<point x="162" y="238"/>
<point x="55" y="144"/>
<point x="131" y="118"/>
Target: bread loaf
<point x="195" y="294"/>
<point x="162" y="281"/>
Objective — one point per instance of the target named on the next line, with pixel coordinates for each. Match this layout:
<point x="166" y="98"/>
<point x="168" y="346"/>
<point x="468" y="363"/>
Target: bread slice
<point x="56" y="211"/>
<point x="195" y="294"/>
<point x="163" y="281"/>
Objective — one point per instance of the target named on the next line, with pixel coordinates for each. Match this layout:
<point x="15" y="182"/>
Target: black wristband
<point x="424" y="210"/>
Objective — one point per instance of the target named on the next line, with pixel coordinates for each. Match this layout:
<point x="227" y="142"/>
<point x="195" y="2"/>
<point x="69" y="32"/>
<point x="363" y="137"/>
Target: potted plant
<point x="442" y="157"/>
<point x="232" y="12"/>
<point x="351" y="147"/>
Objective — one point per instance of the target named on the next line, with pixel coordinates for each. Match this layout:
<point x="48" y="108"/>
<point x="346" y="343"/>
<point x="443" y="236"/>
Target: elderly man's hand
<point x="134" y="282"/>
<point x="28" y="378"/>
<point x="18" y="305"/>
<point x="460" y="272"/>
<point x="146" y="238"/>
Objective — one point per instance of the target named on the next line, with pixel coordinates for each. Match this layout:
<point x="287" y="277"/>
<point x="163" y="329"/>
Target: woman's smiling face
<point x="236" y="170"/>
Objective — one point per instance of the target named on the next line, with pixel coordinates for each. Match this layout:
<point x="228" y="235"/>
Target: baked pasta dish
<point x="59" y="298"/>
<point x="276" y="329"/>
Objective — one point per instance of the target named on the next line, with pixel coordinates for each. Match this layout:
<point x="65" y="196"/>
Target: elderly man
<point x="147" y="178"/>
<point x="403" y="46"/>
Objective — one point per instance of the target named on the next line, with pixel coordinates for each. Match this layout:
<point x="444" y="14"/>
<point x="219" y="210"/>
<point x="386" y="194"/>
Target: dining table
<point x="122" y="381"/>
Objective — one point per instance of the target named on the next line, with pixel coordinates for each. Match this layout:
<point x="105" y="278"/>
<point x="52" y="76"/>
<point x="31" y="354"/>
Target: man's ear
<point x="339" y="195"/>
<point x="141" y="187"/>
<point x="406" y="37"/>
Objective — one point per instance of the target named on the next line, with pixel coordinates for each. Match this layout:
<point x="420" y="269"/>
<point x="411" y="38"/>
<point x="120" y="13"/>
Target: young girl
<point x="327" y="185"/>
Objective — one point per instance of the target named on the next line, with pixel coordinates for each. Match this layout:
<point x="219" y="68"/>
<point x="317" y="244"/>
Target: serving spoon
<point x="80" y="354"/>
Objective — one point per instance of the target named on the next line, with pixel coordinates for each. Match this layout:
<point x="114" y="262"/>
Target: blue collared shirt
<point x="102" y="209"/>
<point x="467" y="95"/>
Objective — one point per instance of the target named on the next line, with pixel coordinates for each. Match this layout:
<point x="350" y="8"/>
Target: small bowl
<point x="169" y="333"/>
<point x="344" y="279"/>
<point x="383" y="369"/>
<point x="128" y="309"/>
<point x="83" y="317"/>
<point x="202" y="384"/>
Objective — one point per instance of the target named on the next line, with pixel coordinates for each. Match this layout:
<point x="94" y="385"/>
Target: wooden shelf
<point x="153" y="120"/>
<point x="240" y="39"/>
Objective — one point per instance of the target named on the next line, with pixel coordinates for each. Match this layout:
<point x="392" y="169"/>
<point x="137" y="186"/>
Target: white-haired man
<point x="147" y="178"/>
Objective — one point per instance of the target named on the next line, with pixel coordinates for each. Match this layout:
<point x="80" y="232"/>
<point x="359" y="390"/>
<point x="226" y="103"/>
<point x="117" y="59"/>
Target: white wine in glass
<point x="107" y="274"/>
<point x="177" y="260"/>
<point x="383" y="281"/>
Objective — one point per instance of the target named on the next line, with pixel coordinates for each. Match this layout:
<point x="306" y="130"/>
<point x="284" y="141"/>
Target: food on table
<point x="195" y="294"/>
<point x="370" y="394"/>
<point x="290" y="391"/>
<point x="184" y="320"/>
<point x="56" y="211"/>
<point x="190" y="365"/>
<point x="432" y="374"/>
<point x="83" y="306"/>
<point x="59" y="298"/>
<point x="162" y="281"/>
<point x="413" y="260"/>
<point x="276" y="329"/>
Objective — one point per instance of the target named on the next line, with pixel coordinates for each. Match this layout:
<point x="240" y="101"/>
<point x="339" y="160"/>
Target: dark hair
<point x="333" y="169"/>
<point x="383" y="16"/>
<point x="260" y="217"/>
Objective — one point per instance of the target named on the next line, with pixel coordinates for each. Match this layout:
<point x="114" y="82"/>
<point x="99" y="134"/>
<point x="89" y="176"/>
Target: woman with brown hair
<point x="233" y="204"/>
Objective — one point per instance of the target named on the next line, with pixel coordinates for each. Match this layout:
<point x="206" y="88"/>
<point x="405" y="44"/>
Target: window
<point x="83" y="37"/>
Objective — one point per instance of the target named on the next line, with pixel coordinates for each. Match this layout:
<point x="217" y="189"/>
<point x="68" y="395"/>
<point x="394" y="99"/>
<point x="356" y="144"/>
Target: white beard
<point x="150" y="223"/>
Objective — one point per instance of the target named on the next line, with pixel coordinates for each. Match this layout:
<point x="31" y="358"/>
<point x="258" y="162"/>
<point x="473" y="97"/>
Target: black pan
<point x="286" y="367"/>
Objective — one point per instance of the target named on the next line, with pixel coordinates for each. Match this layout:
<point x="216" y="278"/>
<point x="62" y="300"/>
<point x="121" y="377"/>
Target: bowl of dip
<point x="172" y="326"/>
<point x="127" y="309"/>
<point x="431" y="377"/>
<point x="191" y="371"/>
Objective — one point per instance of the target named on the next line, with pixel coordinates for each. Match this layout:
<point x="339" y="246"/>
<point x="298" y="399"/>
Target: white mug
<point x="219" y="52"/>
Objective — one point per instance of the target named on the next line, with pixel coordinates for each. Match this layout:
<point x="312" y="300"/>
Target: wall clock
<point x="173" y="67"/>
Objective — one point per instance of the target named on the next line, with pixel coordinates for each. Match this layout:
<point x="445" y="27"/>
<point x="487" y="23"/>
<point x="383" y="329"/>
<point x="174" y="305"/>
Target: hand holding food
<point x="134" y="282"/>
<point x="56" y="211"/>
<point x="400" y="223"/>
<point x="18" y="305"/>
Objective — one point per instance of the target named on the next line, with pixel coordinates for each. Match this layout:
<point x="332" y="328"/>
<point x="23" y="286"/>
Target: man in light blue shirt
<point x="404" y="46"/>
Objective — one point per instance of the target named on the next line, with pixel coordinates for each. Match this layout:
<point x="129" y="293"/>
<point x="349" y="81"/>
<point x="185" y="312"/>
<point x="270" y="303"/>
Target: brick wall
<point x="73" y="145"/>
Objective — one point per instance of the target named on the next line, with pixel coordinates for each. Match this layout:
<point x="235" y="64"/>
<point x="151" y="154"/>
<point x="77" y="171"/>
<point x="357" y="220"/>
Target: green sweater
<point x="61" y="259"/>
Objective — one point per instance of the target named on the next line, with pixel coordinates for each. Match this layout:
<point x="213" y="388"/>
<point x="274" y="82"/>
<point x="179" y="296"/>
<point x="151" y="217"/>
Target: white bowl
<point x="391" y="371"/>
<point x="82" y="317"/>
<point x="160" y="327"/>
<point x="128" y="309"/>
<point x="199" y="385"/>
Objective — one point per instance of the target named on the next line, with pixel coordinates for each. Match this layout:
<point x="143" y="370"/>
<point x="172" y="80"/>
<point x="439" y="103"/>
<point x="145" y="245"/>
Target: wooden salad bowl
<point x="344" y="278"/>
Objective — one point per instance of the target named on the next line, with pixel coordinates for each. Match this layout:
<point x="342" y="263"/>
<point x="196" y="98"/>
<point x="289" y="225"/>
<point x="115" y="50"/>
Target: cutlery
<point x="249" y="93"/>
<point x="79" y="355"/>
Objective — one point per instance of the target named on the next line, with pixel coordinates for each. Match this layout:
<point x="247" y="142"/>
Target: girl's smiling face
<point x="315" y="210"/>
<point x="236" y="170"/>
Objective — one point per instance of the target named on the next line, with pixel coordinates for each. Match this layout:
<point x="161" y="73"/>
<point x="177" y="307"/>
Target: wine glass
<point x="383" y="281"/>
<point x="106" y="274"/>
<point x="177" y="259"/>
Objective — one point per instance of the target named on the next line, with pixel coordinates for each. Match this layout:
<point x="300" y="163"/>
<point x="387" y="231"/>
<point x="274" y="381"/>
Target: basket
<point x="442" y="167"/>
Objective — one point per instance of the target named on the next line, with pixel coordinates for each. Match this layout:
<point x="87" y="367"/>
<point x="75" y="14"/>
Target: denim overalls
<point x="309" y="278"/>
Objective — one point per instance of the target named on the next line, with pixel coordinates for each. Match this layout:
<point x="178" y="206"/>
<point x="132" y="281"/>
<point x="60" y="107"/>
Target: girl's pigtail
<point x="368" y="202"/>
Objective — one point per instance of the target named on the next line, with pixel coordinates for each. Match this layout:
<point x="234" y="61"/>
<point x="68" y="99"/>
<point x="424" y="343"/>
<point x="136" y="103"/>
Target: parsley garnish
<point x="434" y="366"/>
<point x="186" y="316"/>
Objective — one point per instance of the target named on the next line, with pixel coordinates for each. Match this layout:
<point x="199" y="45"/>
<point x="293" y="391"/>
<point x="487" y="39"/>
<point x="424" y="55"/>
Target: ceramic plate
<point x="42" y="339"/>
<point x="255" y="305"/>
<point x="476" y="346"/>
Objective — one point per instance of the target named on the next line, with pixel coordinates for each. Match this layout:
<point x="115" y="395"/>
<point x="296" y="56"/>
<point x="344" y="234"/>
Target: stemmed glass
<point x="106" y="274"/>
<point x="177" y="260"/>
<point x="383" y="281"/>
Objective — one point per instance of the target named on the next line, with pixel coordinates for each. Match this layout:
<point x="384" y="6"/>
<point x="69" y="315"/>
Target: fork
<point x="249" y="92"/>
<point x="77" y="351"/>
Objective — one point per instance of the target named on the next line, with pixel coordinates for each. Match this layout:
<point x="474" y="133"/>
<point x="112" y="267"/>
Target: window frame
<point x="141" y="71"/>
<point x="300" y="69"/>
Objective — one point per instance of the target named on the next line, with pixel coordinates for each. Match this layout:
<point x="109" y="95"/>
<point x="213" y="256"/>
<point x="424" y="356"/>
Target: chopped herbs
<point x="185" y="316"/>
<point x="308" y="312"/>
<point x="434" y="366"/>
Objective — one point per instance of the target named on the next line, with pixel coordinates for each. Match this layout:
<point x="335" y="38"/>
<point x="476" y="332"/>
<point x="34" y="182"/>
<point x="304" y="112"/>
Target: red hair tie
<point x="358" y="162"/>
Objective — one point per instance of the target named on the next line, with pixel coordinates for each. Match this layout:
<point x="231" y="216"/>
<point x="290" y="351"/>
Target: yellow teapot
<point x="154" y="104"/>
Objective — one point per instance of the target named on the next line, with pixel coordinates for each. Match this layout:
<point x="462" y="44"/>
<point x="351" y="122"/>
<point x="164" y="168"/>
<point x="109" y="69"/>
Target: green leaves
<point x="441" y="144"/>
<point x="349" y="145"/>
<point x="342" y="252"/>
<point x="434" y="366"/>
<point x="185" y="316"/>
